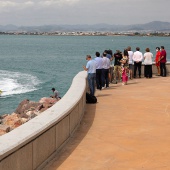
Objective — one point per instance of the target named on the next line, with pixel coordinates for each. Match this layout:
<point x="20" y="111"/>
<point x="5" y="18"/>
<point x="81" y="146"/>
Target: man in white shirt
<point x="137" y="58"/>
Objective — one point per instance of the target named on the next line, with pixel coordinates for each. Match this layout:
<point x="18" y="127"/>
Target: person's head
<point x="88" y="57"/>
<point x="129" y="48"/>
<point x="137" y="49"/>
<point x="162" y="47"/>
<point x="109" y="52"/>
<point x="53" y="89"/>
<point x="157" y="48"/>
<point x="97" y="54"/>
<point x="104" y="54"/>
<point x="147" y="50"/>
<point x="117" y="51"/>
<point x="125" y="52"/>
<point x="105" y="51"/>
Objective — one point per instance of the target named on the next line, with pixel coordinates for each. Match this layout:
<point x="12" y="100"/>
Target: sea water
<point x="31" y="65"/>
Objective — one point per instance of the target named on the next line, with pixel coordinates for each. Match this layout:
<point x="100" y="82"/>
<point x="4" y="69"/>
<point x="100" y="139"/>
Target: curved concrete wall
<point x="34" y="143"/>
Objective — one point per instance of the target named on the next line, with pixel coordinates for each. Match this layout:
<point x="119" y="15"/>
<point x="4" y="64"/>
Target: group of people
<point x="126" y="65"/>
<point x="98" y="71"/>
<point x="160" y="61"/>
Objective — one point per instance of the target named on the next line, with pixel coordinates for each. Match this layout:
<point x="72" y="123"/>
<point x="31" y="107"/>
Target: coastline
<point x="91" y="33"/>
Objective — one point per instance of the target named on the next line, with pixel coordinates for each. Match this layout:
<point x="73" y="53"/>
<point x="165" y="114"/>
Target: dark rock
<point x="26" y="106"/>
<point x="4" y="129"/>
<point x="24" y="115"/>
<point x="31" y="115"/>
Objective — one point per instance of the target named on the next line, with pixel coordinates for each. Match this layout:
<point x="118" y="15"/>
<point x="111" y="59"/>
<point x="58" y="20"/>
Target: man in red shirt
<point x="163" y="62"/>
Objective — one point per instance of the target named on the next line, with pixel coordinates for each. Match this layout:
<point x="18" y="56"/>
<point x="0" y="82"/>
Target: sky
<point x="72" y="12"/>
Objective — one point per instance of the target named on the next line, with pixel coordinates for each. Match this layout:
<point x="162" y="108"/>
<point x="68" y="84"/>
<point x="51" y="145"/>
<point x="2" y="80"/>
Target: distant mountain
<point x="148" y="27"/>
<point x="152" y="26"/>
<point x="8" y="28"/>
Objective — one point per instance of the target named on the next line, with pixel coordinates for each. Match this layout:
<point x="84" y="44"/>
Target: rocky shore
<point x="25" y="111"/>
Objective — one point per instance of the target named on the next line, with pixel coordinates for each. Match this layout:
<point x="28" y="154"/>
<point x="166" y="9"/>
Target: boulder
<point x="4" y="128"/>
<point x="21" y="107"/>
<point x="48" y="100"/>
<point x="47" y="103"/>
<point x="31" y="115"/>
<point x="24" y="115"/>
<point x="17" y="123"/>
<point x="3" y="116"/>
<point x="24" y="120"/>
<point x="27" y="105"/>
<point x="12" y="120"/>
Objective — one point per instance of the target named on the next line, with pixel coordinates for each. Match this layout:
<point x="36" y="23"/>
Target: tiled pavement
<point x="128" y="129"/>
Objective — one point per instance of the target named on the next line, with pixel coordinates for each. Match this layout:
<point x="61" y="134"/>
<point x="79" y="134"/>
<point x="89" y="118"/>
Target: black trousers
<point x="99" y="78"/>
<point x="163" y="69"/>
<point x="148" y="71"/>
<point x="105" y="77"/>
<point x="137" y="66"/>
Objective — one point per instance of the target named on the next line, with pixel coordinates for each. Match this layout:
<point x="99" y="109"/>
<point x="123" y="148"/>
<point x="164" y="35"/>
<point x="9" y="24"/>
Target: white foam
<point x="12" y="83"/>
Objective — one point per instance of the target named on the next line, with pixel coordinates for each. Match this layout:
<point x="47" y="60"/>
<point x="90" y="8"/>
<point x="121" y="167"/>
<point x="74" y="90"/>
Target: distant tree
<point x="137" y="33"/>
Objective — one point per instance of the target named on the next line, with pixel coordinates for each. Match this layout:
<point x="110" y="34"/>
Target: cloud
<point x="40" y="12"/>
<point x="56" y="3"/>
<point x="15" y="5"/>
<point x="7" y="6"/>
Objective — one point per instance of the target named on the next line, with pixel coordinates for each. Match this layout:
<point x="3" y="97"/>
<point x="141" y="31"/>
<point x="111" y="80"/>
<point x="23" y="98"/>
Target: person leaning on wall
<point x="91" y="70"/>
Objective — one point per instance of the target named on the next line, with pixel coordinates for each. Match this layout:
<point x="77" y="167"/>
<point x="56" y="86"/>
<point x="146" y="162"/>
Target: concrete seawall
<point x="154" y="69"/>
<point x="33" y="144"/>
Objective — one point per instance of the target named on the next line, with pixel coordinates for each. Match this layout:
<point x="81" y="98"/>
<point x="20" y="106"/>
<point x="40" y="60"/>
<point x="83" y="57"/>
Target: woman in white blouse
<point x="148" y="63"/>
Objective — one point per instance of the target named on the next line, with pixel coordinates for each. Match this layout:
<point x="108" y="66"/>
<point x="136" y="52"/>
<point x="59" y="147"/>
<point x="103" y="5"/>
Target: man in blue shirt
<point x="91" y="70"/>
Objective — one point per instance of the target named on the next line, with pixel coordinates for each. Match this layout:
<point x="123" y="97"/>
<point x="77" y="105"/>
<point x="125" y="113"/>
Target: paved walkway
<point x="128" y="129"/>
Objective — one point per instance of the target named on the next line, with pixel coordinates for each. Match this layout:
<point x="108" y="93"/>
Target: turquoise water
<point x="31" y="65"/>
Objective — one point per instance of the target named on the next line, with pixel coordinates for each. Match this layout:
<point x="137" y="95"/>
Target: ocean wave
<point x="12" y="83"/>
